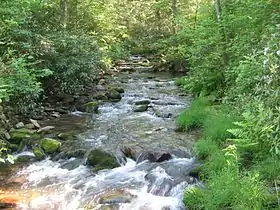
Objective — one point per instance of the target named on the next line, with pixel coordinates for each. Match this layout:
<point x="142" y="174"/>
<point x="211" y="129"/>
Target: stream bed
<point x="139" y="184"/>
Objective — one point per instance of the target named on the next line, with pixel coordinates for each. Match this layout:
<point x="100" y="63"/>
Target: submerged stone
<point x="140" y="108"/>
<point x="101" y="159"/>
<point x="50" y="145"/>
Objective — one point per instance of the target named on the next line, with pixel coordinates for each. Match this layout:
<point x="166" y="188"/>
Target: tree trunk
<point x="218" y="10"/>
<point x="63" y="13"/>
<point x="195" y="14"/>
<point x="174" y="14"/>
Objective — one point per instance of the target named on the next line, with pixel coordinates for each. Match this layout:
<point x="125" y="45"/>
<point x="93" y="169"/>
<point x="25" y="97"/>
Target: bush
<point x="195" y="115"/>
<point x="74" y="59"/>
<point x="228" y="190"/>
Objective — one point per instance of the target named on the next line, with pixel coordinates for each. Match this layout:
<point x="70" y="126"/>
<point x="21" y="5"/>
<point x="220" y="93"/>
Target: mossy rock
<point x="101" y="160"/>
<point x="13" y="147"/>
<point x="114" y="95"/>
<point x="140" y="108"/>
<point x="142" y="102"/>
<point x="49" y="145"/>
<point x="92" y="107"/>
<point x="100" y="96"/>
<point x="18" y="135"/>
<point x="39" y="153"/>
<point x="24" y="159"/>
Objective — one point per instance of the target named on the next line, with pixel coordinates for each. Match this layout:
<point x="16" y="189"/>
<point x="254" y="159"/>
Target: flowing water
<point x="66" y="184"/>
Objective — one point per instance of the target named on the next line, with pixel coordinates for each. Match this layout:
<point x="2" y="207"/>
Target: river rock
<point x="154" y="157"/>
<point x="92" y="107"/>
<point x="116" y="197"/>
<point x="19" y="125"/>
<point x="29" y="126"/>
<point x="50" y="145"/>
<point x="140" y="108"/>
<point x="113" y="95"/>
<point x="35" y="123"/>
<point x="142" y="102"/>
<point x="116" y="88"/>
<point x="39" y="153"/>
<point x="18" y="135"/>
<point x="46" y="129"/>
<point x="101" y="159"/>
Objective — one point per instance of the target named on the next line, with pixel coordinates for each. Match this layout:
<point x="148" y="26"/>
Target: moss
<point x="39" y="153"/>
<point x="18" y="135"/>
<point x="113" y="95"/>
<point x="101" y="160"/>
<point x="50" y="145"/>
<point x="92" y="107"/>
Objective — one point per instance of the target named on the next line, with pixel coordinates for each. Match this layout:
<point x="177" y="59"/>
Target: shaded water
<point x="69" y="184"/>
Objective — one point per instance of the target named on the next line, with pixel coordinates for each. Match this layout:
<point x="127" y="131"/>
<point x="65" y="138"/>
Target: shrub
<point x="195" y="115"/>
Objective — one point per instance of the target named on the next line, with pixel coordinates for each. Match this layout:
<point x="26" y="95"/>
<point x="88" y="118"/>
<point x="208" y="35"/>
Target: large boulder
<point x="101" y="159"/>
<point x="49" y="145"/>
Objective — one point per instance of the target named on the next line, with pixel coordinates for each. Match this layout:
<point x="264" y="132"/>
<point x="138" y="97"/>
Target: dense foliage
<point x="235" y="60"/>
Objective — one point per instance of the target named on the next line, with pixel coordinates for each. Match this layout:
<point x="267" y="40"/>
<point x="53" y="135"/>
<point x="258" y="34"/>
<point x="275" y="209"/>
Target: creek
<point x="139" y="184"/>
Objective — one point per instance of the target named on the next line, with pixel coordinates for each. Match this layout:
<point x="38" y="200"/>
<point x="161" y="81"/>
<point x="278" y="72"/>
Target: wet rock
<point x="29" y="126"/>
<point x="101" y="160"/>
<point x="140" y="108"/>
<point x="49" y="145"/>
<point x="39" y="153"/>
<point x="131" y="152"/>
<point x="75" y="153"/>
<point x="61" y="110"/>
<point x="18" y="135"/>
<point x="100" y="96"/>
<point x="116" y="197"/>
<point x="19" y="125"/>
<point x="195" y="171"/>
<point x="46" y="130"/>
<point x="24" y="158"/>
<point x="100" y="88"/>
<point x="92" y="107"/>
<point x="72" y="164"/>
<point x="142" y="102"/>
<point x="154" y="157"/>
<point x="35" y="123"/>
<point x="65" y="135"/>
<point x="6" y="205"/>
<point x="55" y="114"/>
<point x="114" y="95"/>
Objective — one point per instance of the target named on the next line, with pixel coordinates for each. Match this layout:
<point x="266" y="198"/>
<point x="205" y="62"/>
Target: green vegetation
<point x="234" y="59"/>
<point x="229" y="50"/>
